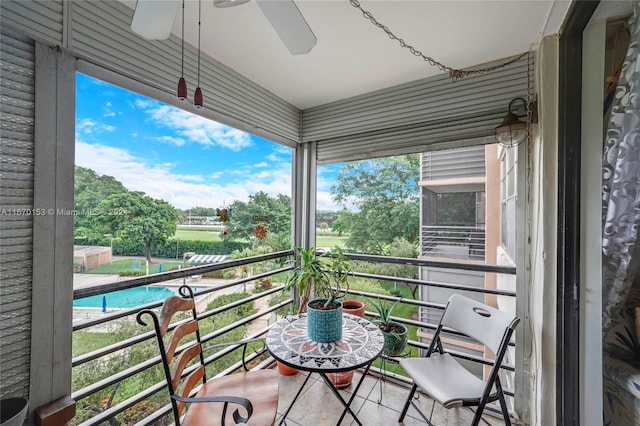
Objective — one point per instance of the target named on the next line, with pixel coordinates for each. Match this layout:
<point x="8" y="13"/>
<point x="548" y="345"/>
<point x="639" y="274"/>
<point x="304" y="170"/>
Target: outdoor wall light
<point x="512" y="132"/>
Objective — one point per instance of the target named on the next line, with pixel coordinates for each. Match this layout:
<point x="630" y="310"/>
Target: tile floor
<point x="376" y="404"/>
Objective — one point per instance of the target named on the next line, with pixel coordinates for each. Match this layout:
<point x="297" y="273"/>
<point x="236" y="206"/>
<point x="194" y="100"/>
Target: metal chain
<point x="455" y="74"/>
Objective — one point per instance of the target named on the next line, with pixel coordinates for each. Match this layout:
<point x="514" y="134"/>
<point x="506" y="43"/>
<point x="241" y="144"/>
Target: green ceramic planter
<point x="394" y="344"/>
<point x="324" y="325"/>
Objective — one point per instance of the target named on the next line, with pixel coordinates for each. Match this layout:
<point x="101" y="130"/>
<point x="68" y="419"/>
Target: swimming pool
<point x="127" y="298"/>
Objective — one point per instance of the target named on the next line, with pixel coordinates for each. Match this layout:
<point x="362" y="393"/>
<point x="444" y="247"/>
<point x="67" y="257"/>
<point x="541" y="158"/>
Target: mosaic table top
<point x="361" y="343"/>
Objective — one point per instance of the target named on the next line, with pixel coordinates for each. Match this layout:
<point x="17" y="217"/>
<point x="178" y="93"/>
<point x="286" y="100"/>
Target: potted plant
<point x="324" y="315"/>
<point x="307" y="276"/>
<point x="395" y="333"/>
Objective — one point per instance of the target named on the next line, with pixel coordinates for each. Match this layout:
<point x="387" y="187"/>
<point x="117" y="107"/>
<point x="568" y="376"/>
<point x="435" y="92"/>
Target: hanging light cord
<point x="455" y="74"/>
<point x="182" y="62"/>
<point x="199" y="15"/>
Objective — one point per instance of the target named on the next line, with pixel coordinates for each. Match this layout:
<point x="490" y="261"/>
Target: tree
<point x="343" y="223"/>
<point x="326" y="216"/>
<point x="90" y="190"/>
<point x="137" y="217"/>
<point x="273" y="212"/>
<point x="386" y="196"/>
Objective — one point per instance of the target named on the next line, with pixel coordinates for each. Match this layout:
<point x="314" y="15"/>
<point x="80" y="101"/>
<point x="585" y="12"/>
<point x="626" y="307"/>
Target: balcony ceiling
<point x="352" y="56"/>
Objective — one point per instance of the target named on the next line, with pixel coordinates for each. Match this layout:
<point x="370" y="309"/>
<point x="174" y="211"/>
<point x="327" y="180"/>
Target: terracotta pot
<point x="353" y="307"/>
<point x="285" y="370"/>
<point x="343" y="379"/>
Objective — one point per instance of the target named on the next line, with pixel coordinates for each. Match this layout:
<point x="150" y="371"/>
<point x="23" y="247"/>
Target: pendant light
<point x="182" y="83"/>
<point x="197" y="96"/>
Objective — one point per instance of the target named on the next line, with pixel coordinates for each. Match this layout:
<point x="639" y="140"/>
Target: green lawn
<point x="86" y="341"/>
<point x="208" y="234"/>
<point x="133" y="264"/>
<point x="330" y="241"/>
<point x="202" y="234"/>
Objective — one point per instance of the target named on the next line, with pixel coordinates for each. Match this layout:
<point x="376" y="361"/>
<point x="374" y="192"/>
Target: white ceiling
<point x="353" y="56"/>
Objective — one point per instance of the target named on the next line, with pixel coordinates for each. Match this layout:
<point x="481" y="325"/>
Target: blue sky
<point x="176" y="156"/>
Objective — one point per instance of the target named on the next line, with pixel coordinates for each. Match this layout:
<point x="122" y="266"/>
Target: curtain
<point x="621" y="184"/>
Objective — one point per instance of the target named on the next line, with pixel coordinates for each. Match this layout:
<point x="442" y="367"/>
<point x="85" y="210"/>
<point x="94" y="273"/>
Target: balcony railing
<point x="456" y="242"/>
<point x="97" y="397"/>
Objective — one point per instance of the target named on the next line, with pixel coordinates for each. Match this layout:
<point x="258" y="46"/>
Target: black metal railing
<point x="115" y="318"/>
<point x="134" y="368"/>
<point x="460" y="242"/>
<point x="423" y="344"/>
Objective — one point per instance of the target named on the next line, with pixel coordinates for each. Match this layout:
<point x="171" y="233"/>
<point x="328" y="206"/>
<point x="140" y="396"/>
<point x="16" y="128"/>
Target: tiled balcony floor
<point x="317" y="406"/>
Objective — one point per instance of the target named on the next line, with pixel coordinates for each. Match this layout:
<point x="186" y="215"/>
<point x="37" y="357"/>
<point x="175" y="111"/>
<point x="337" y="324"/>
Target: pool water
<point x="127" y="298"/>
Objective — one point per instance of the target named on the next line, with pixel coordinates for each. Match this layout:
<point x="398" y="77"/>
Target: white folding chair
<point x="444" y="379"/>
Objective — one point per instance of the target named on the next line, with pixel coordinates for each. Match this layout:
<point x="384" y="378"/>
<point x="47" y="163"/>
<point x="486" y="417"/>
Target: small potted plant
<point x="324" y="315"/>
<point x="395" y="333"/>
<point x="307" y="276"/>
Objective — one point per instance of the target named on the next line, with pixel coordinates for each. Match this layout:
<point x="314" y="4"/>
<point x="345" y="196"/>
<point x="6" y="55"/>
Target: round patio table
<point x="360" y="345"/>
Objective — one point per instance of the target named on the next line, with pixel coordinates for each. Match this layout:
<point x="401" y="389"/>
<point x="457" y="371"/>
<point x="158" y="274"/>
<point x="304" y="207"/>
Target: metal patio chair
<point x="240" y="398"/>
<point x="444" y="379"/>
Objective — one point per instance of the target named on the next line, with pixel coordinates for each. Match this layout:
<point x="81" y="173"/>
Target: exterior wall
<point x="91" y="257"/>
<point x="450" y="276"/>
<point x="541" y="363"/>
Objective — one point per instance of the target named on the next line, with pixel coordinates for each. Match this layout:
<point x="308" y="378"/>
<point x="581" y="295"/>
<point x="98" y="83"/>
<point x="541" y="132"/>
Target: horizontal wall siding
<point x="101" y="34"/>
<point x="430" y="113"/>
<point x="16" y="205"/>
<point x="451" y="164"/>
<point x="42" y="20"/>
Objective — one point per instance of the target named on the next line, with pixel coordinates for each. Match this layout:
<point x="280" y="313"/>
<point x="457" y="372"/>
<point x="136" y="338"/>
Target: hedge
<point x="171" y="249"/>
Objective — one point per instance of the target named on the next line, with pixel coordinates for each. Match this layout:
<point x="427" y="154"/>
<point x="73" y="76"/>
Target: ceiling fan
<point x="153" y="19"/>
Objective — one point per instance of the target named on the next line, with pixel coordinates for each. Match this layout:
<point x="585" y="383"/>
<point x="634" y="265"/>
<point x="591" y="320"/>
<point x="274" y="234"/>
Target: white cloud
<point x="88" y="125"/>
<point x="108" y="111"/>
<point x="194" y="128"/>
<point x="171" y="140"/>
<point x="191" y="178"/>
<point x="144" y="103"/>
<point x="324" y="201"/>
<point x="183" y="191"/>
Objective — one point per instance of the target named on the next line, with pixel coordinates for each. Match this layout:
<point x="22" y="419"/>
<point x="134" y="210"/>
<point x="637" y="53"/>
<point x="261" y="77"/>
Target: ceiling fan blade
<point x="153" y="19"/>
<point x="290" y="25"/>
<point x="228" y="3"/>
